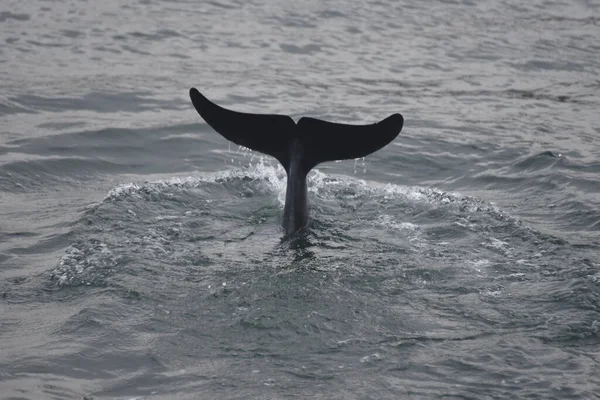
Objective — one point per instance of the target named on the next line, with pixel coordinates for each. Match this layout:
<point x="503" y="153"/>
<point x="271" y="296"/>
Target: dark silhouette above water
<point x="299" y="147"/>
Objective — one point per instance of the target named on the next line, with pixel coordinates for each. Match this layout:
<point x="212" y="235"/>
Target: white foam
<point x="318" y="182"/>
<point x="79" y="266"/>
<point x="390" y="222"/>
<point x="479" y="266"/>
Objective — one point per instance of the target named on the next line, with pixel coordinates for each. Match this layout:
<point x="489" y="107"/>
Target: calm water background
<point x="141" y="256"/>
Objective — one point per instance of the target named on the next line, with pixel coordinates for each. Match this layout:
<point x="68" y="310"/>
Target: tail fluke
<point x="314" y="140"/>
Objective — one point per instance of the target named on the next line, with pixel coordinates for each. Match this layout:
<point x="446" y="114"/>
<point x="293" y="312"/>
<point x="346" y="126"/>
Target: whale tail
<point x="304" y="145"/>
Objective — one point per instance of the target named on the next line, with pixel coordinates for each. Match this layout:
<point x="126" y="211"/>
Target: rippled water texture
<point x="141" y="255"/>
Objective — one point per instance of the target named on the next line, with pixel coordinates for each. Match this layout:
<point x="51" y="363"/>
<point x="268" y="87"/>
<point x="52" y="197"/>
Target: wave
<point x="181" y="222"/>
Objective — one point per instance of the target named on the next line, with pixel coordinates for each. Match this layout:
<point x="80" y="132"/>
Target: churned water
<point x="141" y="255"/>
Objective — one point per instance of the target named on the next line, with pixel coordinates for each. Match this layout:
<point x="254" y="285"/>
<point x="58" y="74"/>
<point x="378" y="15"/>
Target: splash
<point x="262" y="171"/>
<point x="181" y="220"/>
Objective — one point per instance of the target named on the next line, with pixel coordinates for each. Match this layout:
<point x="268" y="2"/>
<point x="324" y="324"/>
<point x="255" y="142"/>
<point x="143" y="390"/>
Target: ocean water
<point x="141" y="255"/>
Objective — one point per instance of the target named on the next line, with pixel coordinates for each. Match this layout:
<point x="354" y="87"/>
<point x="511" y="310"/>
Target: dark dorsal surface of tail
<point x="298" y="147"/>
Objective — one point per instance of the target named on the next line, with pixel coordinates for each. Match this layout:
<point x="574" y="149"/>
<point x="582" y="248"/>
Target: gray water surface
<point x="141" y="255"/>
